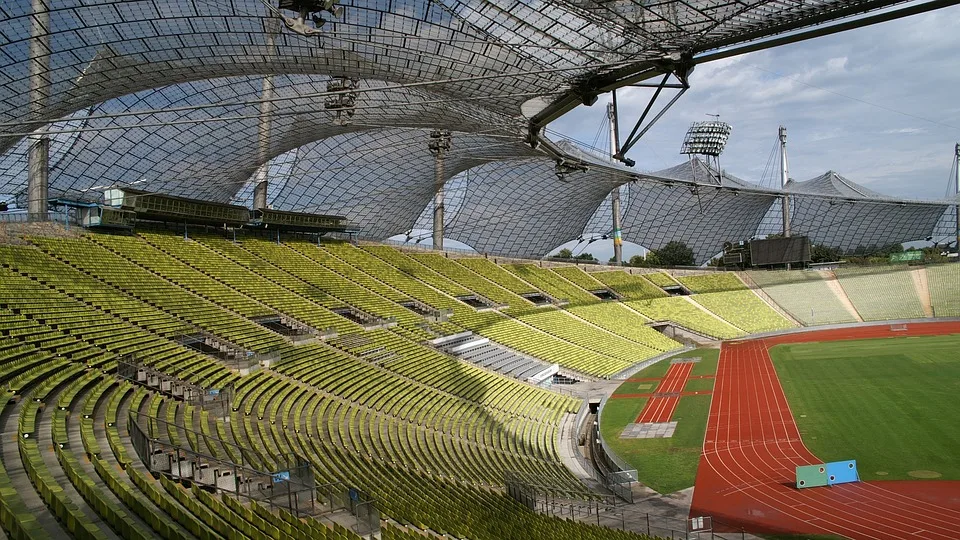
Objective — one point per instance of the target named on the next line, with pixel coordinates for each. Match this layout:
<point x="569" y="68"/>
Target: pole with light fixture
<point x="439" y="145"/>
<point x="615" y="194"/>
<point x="784" y="178"/>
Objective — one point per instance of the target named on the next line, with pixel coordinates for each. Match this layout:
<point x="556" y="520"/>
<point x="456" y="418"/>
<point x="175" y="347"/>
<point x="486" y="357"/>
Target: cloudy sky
<point x="880" y="105"/>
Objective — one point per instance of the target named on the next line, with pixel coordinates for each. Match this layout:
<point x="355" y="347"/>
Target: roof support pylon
<point x="264" y="127"/>
<point x="956" y="150"/>
<point x="615" y="194"/>
<point x="784" y="178"/>
<point x="439" y="144"/>
<point x="38" y="158"/>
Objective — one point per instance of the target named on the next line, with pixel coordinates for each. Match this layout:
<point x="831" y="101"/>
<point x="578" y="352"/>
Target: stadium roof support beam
<point x="634" y="135"/>
<point x="850" y="10"/>
<point x="38" y="159"/>
<point x="587" y="93"/>
<point x="822" y="31"/>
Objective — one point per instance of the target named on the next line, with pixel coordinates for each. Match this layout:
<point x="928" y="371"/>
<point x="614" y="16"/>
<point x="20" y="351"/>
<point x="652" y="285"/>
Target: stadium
<point x="219" y="317"/>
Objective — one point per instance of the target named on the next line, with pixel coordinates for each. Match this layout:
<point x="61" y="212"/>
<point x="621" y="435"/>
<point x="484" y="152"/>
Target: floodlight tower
<point x="707" y="139"/>
<point x="439" y="145"/>
<point x="615" y="194"/>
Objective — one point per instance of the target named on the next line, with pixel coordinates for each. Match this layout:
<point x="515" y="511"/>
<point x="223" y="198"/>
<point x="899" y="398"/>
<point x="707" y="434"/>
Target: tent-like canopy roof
<point x="200" y="98"/>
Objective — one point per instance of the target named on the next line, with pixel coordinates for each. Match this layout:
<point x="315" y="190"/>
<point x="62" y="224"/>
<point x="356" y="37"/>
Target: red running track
<point x="752" y="447"/>
<point x="660" y="409"/>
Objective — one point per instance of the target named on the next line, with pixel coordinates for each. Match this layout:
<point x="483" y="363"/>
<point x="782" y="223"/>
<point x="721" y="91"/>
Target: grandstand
<point x="629" y="286"/>
<point x="680" y="310"/>
<point x="204" y="335"/>
<point x="660" y="279"/>
<point x="804" y="295"/>
<point x="365" y="417"/>
<point x="898" y="300"/>
<point x="943" y="282"/>
<point x="376" y="408"/>
<point x="728" y="298"/>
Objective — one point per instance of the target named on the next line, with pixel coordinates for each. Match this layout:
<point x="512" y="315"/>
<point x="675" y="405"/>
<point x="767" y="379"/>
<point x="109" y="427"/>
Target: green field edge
<point x="664" y="465"/>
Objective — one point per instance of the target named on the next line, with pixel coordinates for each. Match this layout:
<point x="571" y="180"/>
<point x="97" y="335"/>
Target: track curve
<point x="752" y="446"/>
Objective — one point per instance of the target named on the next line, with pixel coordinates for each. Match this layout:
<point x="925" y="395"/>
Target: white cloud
<point x="903" y="131"/>
<point x="877" y="105"/>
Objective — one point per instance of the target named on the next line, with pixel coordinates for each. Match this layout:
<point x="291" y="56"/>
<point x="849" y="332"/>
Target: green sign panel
<point x="811" y="476"/>
<point x="906" y="256"/>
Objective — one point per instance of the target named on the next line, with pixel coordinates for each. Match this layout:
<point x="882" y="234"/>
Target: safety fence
<point x="292" y="486"/>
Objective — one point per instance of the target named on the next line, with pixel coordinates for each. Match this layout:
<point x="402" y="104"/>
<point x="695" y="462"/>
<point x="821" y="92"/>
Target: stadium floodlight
<point x="345" y="99"/>
<point x="564" y="168"/>
<point x="440" y="141"/>
<point x="706" y="138"/>
<point x="308" y="9"/>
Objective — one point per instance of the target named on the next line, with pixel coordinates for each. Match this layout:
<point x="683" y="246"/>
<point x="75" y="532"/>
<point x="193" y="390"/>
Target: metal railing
<point x="292" y="486"/>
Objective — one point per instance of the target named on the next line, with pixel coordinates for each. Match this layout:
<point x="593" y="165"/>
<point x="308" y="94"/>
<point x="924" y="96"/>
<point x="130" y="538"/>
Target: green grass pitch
<point x="891" y="404"/>
<point x="665" y="465"/>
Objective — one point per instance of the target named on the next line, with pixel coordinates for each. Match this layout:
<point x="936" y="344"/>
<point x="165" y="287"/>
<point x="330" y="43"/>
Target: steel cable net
<point x="383" y="180"/>
<point x="104" y="50"/>
<point x="195" y="153"/>
<point x="690" y="203"/>
<point x="522" y="209"/>
<point x="86" y="52"/>
<point x="849" y="225"/>
<point x="836" y="212"/>
<point x="702" y="217"/>
<point x="125" y="70"/>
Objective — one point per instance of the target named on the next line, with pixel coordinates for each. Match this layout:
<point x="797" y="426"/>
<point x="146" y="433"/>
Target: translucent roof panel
<point x="382" y="180"/>
<point x="502" y="52"/>
<point x="523" y="209"/>
<point x="602" y="220"/>
<point x="705" y="25"/>
<point x="849" y="224"/>
<point x="698" y="171"/>
<point x="102" y="50"/>
<point x="831" y="183"/>
<point x="703" y="217"/>
<point x="190" y="148"/>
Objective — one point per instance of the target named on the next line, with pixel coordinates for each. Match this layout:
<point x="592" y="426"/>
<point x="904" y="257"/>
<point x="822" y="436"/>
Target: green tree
<point x="565" y="254"/>
<point x="640" y="261"/>
<point x="675" y="253"/>
<point x="585" y="257"/>
<point x="820" y="253"/>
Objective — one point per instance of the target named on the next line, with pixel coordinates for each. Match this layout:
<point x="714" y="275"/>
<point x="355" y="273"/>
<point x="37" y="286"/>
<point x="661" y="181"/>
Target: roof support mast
<point x="615" y="194"/>
<point x="38" y="165"/>
<point x="784" y="178"/>
<point x="956" y="167"/>
<point x="266" y="113"/>
<point x="439" y="144"/>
